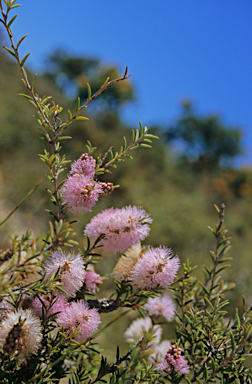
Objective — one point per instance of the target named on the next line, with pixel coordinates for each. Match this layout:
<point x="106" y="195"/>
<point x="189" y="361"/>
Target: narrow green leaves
<point x="20" y="41"/>
<point x="24" y="59"/>
<point x="11" y="21"/>
<point x="89" y="91"/>
<point x="10" y="51"/>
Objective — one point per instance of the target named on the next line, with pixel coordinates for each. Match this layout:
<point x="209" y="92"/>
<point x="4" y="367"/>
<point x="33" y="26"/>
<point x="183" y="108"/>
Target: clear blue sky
<point x="175" y="49"/>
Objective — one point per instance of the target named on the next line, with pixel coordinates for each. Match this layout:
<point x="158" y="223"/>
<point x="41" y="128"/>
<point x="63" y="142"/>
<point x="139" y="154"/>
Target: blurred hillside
<point x="178" y="190"/>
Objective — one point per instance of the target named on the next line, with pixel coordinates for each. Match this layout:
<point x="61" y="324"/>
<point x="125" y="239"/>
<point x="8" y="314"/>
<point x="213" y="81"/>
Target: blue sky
<point x="175" y="49"/>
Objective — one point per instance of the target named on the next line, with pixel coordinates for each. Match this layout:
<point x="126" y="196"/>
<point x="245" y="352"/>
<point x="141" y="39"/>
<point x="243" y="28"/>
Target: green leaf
<point x="225" y="241"/>
<point x="81" y="118"/>
<point x="124" y="143"/>
<point x="15" y="6"/>
<point x="11" y="21"/>
<point x="33" y="81"/>
<point x="217" y="208"/>
<point x="89" y="91"/>
<point x="78" y="104"/>
<point x="133" y="136"/>
<point x="209" y="302"/>
<point x="237" y="318"/>
<point x="24" y="59"/>
<point x="151" y="136"/>
<point x="64" y="137"/>
<point x="188" y="319"/>
<point x="141" y="128"/>
<point x="69" y="115"/>
<point x="145" y="145"/>
<point x="222" y="304"/>
<point x="73" y="242"/>
<point x="221" y="269"/>
<point x="26" y="96"/>
<point x="10" y="51"/>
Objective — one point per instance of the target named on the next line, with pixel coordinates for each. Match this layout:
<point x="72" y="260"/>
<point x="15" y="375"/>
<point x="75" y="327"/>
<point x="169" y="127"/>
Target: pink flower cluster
<point x="92" y="279"/>
<point x="45" y="304"/>
<point x="79" y="315"/>
<point x="72" y="275"/>
<point x="80" y="191"/>
<point x="156" y="268"/>
<point x="70" y="316"/>
<point x="122" y="228"/>
<point x="161" y="306"/>
<point x="71" y="271"/>
<point x="174" y="361"/>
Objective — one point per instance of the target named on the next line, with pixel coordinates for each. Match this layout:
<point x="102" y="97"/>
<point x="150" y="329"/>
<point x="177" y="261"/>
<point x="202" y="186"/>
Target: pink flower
<point x="155" y="269"/>
<point x="122" y="228"/>
<point x="58" y="304"/>
<point x="161" y="306"/>
<point x="71" y="271"/>
<point x="80" y="193"/>
<point x="78" y="315"/>
<point x="159" y="351"/>
<point x="92" y="279"/>
<point x="85" y="166"/>
<point x="174" y="361"/>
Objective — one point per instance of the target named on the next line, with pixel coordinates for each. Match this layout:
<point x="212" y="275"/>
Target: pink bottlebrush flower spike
<point x="85" y="166"/>
<point x="92" y="279"/>
<point x="174" y="361"/>
<point x="161" y="306"/>
<point x="58" y="304"/>
<point x="155" y="269"/>
<point x="71" y="271"/>
<point x="80" y="193"/>
<point x="122" y="228"/>
<point x="78" y="314"/>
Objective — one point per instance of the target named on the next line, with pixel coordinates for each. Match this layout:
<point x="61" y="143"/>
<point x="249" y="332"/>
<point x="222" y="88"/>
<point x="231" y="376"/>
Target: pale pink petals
<point x="58" y="304"/>
<point x="161" y="306"/>
<point x="85" y="166"/>
<point x="78" y="315"/>
<point x="173" y="360"/>
<point x="71" y="271"/>
<point x="80" y="193"/>
<point x="122" y="228"/>
<point x="92" y="279"/>
<point x="155" y="269"/>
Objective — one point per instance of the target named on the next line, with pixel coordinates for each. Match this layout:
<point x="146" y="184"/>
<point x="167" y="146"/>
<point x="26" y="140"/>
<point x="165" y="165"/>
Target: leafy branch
<point x="140" y="137"/>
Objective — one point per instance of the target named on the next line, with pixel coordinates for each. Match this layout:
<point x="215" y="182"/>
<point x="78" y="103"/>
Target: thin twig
<point x="106" y="86"/>
<point x="104" y="157"/>
<point x="22" y="201"/>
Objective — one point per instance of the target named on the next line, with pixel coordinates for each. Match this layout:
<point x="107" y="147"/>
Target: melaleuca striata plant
<point x="49" y="323"/>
